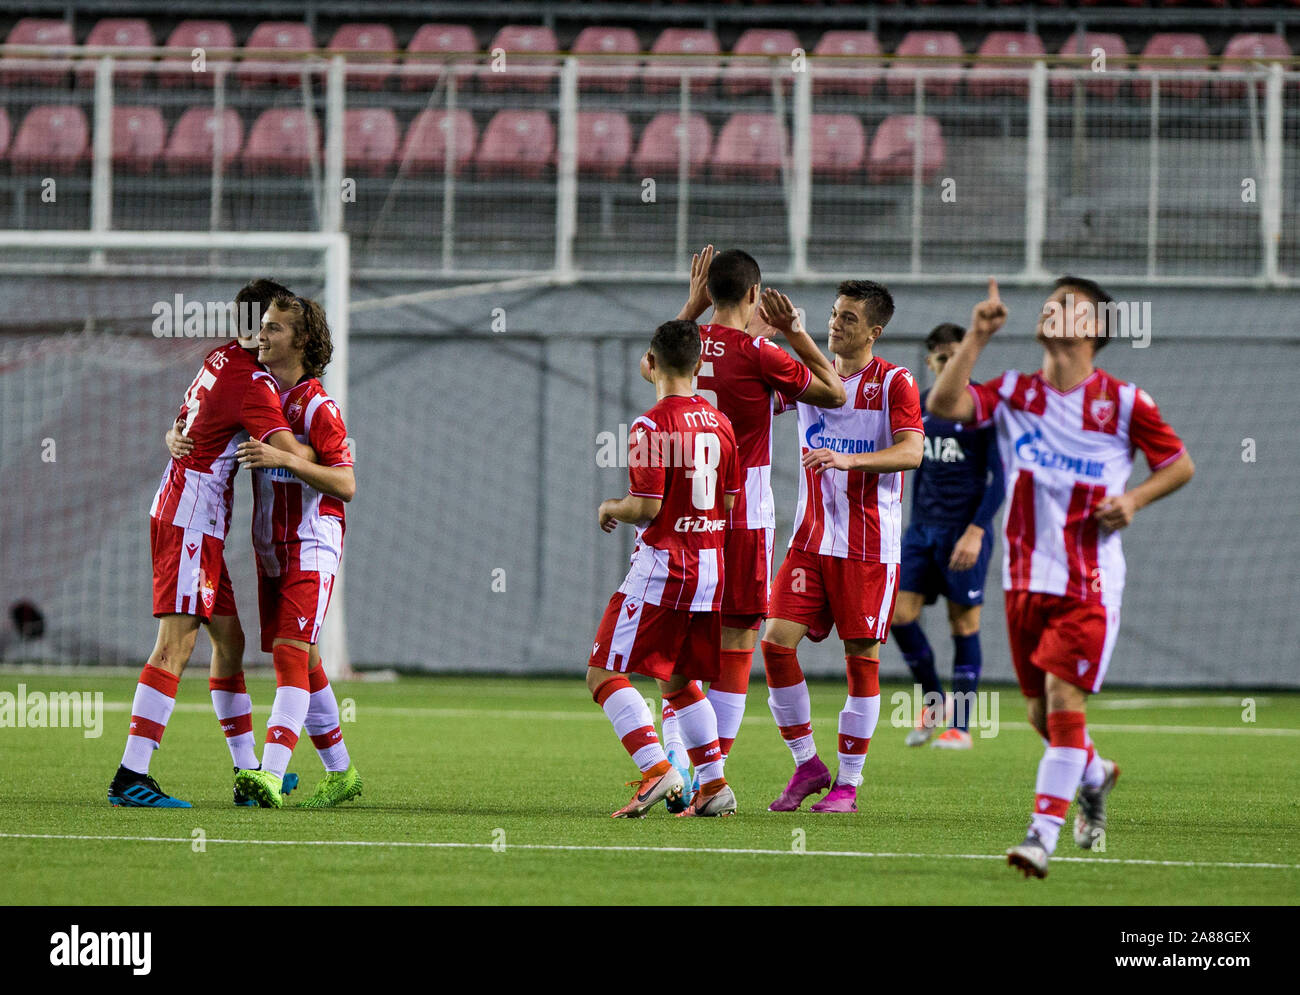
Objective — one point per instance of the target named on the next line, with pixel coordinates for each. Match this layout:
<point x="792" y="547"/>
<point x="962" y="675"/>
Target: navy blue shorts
<point x="925" y="555"/>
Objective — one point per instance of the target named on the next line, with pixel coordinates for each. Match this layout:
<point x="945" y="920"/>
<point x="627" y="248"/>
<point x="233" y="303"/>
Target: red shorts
<point x="747" y="572"/>
<point x="1070" y="638"/>
<point x="656" y="641"/>
<point x="816" y="590"/>
<point x="293" y="606"/>
<point x="189" y="572"/>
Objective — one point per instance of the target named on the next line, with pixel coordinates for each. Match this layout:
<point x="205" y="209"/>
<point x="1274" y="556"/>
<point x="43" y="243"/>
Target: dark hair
<point x="876" y="299"/>
<point x="676" y="345"/>
<point x="731" y="274"/>
<point x="1092" y="290"/>
<point x="311" y="332"/>
<point x="944" y="334"/>
<point x="261" y="293"/>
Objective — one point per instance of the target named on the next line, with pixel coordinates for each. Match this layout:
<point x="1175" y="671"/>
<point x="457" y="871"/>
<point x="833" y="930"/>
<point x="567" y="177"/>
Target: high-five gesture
<point x="777" y="311"/>
<point x="698" y="300"/>
<point x="989" y="315"/>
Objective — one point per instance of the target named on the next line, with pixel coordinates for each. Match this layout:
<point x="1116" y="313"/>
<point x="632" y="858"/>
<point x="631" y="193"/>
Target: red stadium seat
<point x="370" y="137"/>
<point x="893" y="148"/>
<point x="607" y="41"/>
<point x="1252" y="46"/>
<point x="750" y="146"/>
<point x="38" y="31"/>
<point x="194" y="137"/>
<point x="187" y="36"/>
<point x="1099" y="83"/>
<point x="1171" y="44"/>
<point x="839" y="146"/>
<point x="755" y="76"/>
<point x="659" y="150"/>
<point x="516" y="143"/>
<point x="436" y="38"/>
<point x="1107" y="3"/>
<point x="940" y="81"/>
<point x="289" y="37"/>
<point x="830" y="78"/>
<point x="519" y="38"/>
<point x="366" y="38"/>
<point x="138" y="138"/>
<point x="990" y="81"/>
<point x="431" y="137"/>
<point x="52" y="137"/>
<point x="118" y="32"/>
<point x="683" y="41"/>
<point x="282" y="141"/>
<point x="5" y="132"/>
<point x="604" y="143"/>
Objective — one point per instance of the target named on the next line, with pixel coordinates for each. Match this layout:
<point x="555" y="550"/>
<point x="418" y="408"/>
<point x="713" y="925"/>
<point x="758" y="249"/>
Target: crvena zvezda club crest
<point x="1101" y="409"/>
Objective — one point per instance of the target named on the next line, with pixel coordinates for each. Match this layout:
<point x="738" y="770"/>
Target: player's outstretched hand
<point x="1114" y="513"/>
<point x="989" y="315"/>
<point x="698" y="300"/>
<point x="258" y="455"/>
<point x="776" y="310"/>
<point x="178" y="443"/>
<point x="608" y="523"/>
<point x="821" y="460"/>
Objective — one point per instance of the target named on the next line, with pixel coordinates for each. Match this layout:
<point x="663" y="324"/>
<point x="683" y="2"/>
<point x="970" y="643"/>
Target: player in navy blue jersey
<point x="955" y="493"/>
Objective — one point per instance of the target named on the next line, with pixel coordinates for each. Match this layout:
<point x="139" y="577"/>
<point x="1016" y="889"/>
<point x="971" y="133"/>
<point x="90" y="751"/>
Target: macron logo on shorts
<point x="1083" y="667"/>
<point x="302" y="623"/>
<point x="631" y="610"/>
<point x="871" y="620"/>
<point x="192" y="547"/>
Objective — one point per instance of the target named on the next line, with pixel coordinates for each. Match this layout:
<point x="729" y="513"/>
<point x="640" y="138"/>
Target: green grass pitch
<point x="532" y="766"/>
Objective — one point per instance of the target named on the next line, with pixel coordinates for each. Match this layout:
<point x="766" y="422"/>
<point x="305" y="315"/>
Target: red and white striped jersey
<point x="738" y="376"/>
<point x="857" y="516"/>
<point x="295" y="526"/>
<point x="682" y="451"/>
<point x="1063" y="454"/>
<point x="231" y="399"/>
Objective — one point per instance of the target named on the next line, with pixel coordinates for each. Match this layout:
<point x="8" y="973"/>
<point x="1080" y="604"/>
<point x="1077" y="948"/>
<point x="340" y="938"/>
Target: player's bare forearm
<point x="904" y="454"/>
<point x="826" y="389"/>
<point x="630" y="509"/>
<point x="286" y="443"/>
<point x="1164" y="481"/>
<point x="337" y="481"/>
<point x="948" y="398"/>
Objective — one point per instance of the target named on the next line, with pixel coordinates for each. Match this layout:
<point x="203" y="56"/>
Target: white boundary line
<point x="591" y="848"/>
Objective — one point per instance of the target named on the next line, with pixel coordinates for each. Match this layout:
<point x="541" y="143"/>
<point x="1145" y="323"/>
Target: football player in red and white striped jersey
<point x="1067" y="435"/>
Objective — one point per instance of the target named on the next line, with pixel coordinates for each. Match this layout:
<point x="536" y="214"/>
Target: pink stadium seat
<point x="366" y="38"/>
<point x="516" y="143"/>
<point x="194" y="136"/>
<point x="604" y="143"/>
<point x="893" y="148"/>
<point x="38" y="31"/>
<point x="431" y="137"/>
<point x="118" y="32"/>
<point x="839" y="146"/>
<point x="1169" y="44"/>
<point x="52" y="137"/>
<point x="1099" y="84"/>
<point x="289" y="37"/>
<point x="520" y="38"/>
<point x="436" y="38"/>
<point x="659" y="150"/>
<point x="282" y="141"/>
<point x="370" y="137"/>
<point x="990" y="81"/>
<point x="187" y="36"/>
<point x="860" y="79"/>
<point x="1253" y="46"/>
<point x="685" y="41"/>
<point x="749" y="146"/>
<point x="607" y="41"/>
<point x="5" y="132"/>
<point x="138" y="138"/>
<point x="751" y="76"/>
<point x="940" y="81"/>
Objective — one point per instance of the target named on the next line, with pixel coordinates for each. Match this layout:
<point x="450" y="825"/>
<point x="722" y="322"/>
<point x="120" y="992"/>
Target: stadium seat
<point x="839" y="146"/>
<point x="604" y="143"/>
<point x="288" y="36"/>
<point x="1107" y="3"/>
<point x="365" y="38"/>
<point x="370" y="137"/>
<point x="281" y="141"/>
<point x="5" y="132"/>
<point x="893" y="147"/>
<point x="991" y="81"/>
<point x="607" y="41"/>
<point x="1252" y="46"/>
<point x="193" y="139"/>
<point x="749" y="146"/>
<point x="187" y="36"/>
<point x="939" y="81"/>
<point x="516" y="143"/>
<point x="519" y="38"/>
<point x="1171" y="44"/>
<point x="659" y="151"/>
<point x="755" y="76"/>
<point x="38" y="31"/>
<point x="684" y="41"/>
<point x="138" y="138"/>
<point x="853" y="77"/>
<point x="430" y="137"/>
<point x="1099" y="84"/>
<point x="52" y="137"/>
<point x="435" y="38"/>
<point x="118" y="32"/>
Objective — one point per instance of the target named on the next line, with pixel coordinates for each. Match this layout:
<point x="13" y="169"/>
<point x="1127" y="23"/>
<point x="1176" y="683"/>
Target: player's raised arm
<point x="949" y="397"/>
<point x="337" y="481"/>
<point x="826" y="389"/>
<point x="698" y="300"/>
